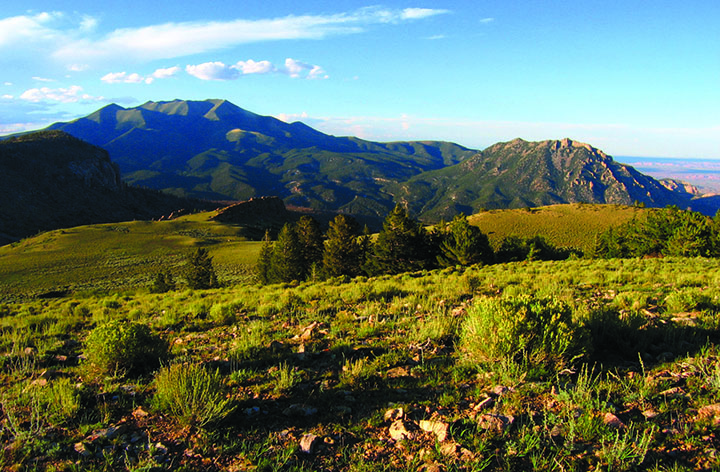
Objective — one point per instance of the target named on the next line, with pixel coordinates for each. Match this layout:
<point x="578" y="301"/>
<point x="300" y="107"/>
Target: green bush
<point x="533" y="330"/>
<point x="191" y="394"/>
<point x="125" y="347"/>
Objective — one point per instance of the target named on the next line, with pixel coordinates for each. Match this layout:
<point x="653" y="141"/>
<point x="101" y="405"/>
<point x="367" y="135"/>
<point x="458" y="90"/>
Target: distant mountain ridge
<point x="215" y="150"/>
<point x="520" y="174"/>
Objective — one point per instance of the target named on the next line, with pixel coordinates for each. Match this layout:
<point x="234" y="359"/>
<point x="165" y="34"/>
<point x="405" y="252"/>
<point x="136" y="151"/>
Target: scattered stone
<point x="29" y="351"/>
<point x="557" y="432"/>
<point x="398" y="372"/>
<point x="299" y="410"/>
<point x="81" y="449"/>
<point x="61" y="358"/>
<point x="501" y="390"/>
<point x="710" y="413"/>
<point x="342" y="410"/>
<point x="398" y="431"/>
<point x="613" y="421"/>
<point x="498" y="423"/>
<point x="139" y="413"/>
<point x="308" y="443"/>
<point x="394" y="414"/>
<point x="675" y="392"/>
<point x="650" y="414"/>
<point x="252" y="411"/>
<point x="450" y="448"/>
<point x="107" y="433"/>
<point x="438" y="428"/>
<point x="486" y="403"/>
<point x="433" y="467"/>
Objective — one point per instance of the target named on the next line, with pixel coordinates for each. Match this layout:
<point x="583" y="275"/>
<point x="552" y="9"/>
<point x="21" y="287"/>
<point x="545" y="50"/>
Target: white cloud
<point x="72" y="94"/>
<point x="77" y="43"/>
<point x="8" y="83"/>
<point x="419" y="13"/>
<point x="487" y="20"/>
<point x="297" y="69"/>
<point x="43" y="79"/>
<point x="220" y="71"/>
<point x="78" y="67"/>
<point x="213" y="71"/>
<point x="291" y="117"/>
<point x="24" y="29"/>
<point x="252" y="67"/>
<point x="7" y="97"/>
<point x="165" y="73"/>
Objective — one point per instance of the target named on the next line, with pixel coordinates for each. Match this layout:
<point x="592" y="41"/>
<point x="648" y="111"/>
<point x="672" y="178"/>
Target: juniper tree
<point x="402" y="245"/>
<point x="464" y="244"/>
<point x="311" y="243"/>
<point x="262" y="268"/>
<point x="286" y="261"/>
<point x="201" y="273"/>
<point x="343" y="251"/>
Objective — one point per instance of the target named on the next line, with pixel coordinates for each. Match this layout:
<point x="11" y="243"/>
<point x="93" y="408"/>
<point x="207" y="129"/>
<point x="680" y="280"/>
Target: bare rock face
<point x="51" y="180"/>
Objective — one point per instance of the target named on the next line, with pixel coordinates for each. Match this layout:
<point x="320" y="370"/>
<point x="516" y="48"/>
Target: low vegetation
<point x="444" y="359"/>
<point x="599" y="364"/>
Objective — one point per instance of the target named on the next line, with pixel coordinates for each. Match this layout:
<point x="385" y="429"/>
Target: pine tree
<point x="311" y="243"/>
<point x="264" y="259"/>
<point x="343" y="252"/>
<point x="464" y="244"/>
<point x="402" y="246"/>
<point x="286" y="261"/>
<point x="201" y="274"/>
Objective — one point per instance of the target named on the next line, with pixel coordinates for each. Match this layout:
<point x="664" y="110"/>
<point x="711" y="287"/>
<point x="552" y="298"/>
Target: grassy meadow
<point x="567" y="365"/>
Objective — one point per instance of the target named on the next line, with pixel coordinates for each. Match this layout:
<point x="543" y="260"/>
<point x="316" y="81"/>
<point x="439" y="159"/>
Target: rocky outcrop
<point x="51" y="180"/>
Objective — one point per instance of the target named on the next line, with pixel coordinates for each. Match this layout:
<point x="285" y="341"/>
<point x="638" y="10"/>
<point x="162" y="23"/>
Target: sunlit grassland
<point x="572" y="225"/>
<point x="347" y="351"/>
<point x="120" y="255"/>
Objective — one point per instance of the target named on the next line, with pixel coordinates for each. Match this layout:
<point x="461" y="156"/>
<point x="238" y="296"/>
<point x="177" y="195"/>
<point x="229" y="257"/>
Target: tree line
<point x="663" y="232"/>
<point x="302" y="252"/>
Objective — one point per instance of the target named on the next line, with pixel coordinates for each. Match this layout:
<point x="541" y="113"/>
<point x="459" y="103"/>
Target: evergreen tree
<point x="402" y="245"/>
<point x="201" y="274"/>
<point x="162" y="283"/>
<point x="265" y="260"/>
<point x="343" y="250"/>
<point x="286" y="261"/>
<point x="464" y="244"/>
<point x="311" y="243"/>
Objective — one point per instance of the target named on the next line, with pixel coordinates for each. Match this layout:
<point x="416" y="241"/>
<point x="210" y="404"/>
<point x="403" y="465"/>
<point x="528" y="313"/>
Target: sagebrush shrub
<point x="536" y="330"/>
<point x="191" y="394"/>
<point x="125" y="347"/>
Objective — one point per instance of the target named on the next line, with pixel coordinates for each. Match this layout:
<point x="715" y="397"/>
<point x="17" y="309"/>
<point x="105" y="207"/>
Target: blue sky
<point x="632" y="77"/>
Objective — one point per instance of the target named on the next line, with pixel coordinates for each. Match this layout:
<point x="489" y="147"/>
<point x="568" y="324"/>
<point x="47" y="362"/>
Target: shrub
<point x="191" y="394"/>
<point x="528" y="329"/>
<point x="125" y="347"/>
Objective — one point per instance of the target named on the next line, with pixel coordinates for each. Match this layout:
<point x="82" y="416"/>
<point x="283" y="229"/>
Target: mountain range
<point x="215" y="150"/>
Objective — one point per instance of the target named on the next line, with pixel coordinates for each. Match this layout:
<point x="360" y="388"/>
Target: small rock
<point x="308" y="443"/>
<point x="299" y="410"/>
<point x="398" y="431"/>
<point x="139" y="413"/>
<point x="252" y="411"/>
<point x="82" y="450"/>
<point x="498" y="423"/>
<point x="108" y="433"/>
<point x="501" y="390"/>
<point x="398" y="372"/>
<point x="61" y="358"/>
<point x="613" y="421"/>
<point x="394" y="414"/>
<point x="650" y="414"/>
<point x="29" y="351"/>
<point x="438" y="428"/>
<point x="450" y="448"/>
<point x="710" y="413"/>
<point x="486" y="403"/>
<point x="675" y="392"/>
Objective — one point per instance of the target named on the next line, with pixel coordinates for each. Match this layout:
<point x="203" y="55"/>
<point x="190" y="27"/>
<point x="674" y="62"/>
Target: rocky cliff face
<point x="519" y="173"/>
<point x="52" y="180"/>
